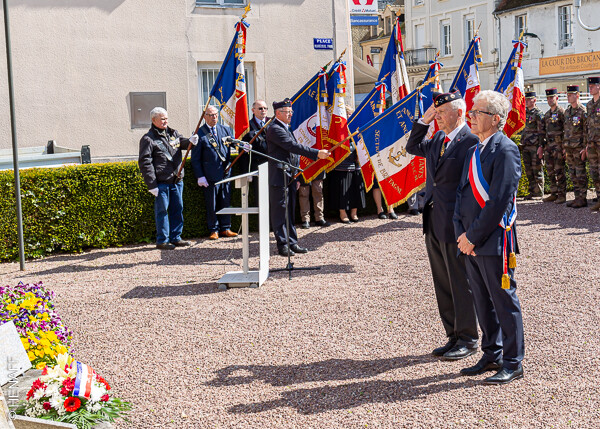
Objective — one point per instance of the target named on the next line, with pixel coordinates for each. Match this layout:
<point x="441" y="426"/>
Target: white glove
<point x="246" y="146"/>
<point x="202" y="182"/>
<point x="154" y="191"/>
<point x="194" y="139"/>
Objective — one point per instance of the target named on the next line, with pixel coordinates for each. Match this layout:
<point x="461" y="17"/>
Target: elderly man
<point x="282" y="145"/>
<point x="484" y="226"/>
<point x="210" y="158"/>
<point x="445" y="154"/>
<point x="159" y="161"/>
<point x="251" y="161"/>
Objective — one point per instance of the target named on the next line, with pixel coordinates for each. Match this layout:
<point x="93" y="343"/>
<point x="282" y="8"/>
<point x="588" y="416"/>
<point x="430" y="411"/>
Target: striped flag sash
<point x="83" y="380"/>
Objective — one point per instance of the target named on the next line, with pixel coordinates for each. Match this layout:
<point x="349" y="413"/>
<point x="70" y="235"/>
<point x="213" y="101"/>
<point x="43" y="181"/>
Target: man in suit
<point x="485" y="230"/>
<point x="251" y="161"/>
<point x="445" y="154"/>
<point x="210" y="158"/>
<point x="282" y="145"/>
<point x="159" y="161"/>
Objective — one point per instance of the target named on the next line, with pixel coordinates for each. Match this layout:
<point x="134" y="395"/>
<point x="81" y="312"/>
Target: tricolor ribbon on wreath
<point x="480" y="190"/>
<point x="83" y="381"/>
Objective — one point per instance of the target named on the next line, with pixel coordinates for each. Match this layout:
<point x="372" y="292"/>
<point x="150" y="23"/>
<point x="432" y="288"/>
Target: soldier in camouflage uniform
<point x="593" y="135"/>
<point x="554" y="121"/>
<point x="532" y="143"/>
<point x="574" y="143"/>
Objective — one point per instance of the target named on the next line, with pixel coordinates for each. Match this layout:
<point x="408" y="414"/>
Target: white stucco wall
<point x="76" y="61"/>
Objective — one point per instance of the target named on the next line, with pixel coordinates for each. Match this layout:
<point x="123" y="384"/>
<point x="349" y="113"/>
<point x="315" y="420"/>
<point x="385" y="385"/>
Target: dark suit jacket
<point x="205" y="159"/>
<point x="259" y="144"/>
<point x="282" y="145"/>
<point x="501" y="167"/>
<point x="443" y="175"/>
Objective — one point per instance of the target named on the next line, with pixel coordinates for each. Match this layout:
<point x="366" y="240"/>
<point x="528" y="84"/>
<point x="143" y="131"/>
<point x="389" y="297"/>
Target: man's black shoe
<point x="505" y="376"/>
<point x="284" y="251"/>
<point x="413" y="212"/>
<point x="297" y="249"/>
<point x="305" y="225"/>
<point x="392" y="215"/>
<point x="459" y="352"/>
<point x="180" y="243"/>
<point x="382" y="215"/>
<point x="165" y="246"/>
<point x="482" y="366"/>
<point x="322" y="222"/>
<point x="441" y="350"/>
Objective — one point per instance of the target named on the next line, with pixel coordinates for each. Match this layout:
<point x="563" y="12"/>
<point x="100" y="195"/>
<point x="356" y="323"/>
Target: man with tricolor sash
<point x="484" y="223"/>
<point x="445" y="154"/>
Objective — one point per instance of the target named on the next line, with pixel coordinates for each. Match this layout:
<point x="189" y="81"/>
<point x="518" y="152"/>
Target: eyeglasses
<point x="262" y="108"/>
<point x="475" y="113"/>
<point x="287" y="112"/>
<point x="212" y="114"/>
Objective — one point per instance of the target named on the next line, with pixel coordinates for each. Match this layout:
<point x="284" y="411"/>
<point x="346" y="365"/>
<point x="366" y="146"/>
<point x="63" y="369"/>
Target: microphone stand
<point x="285" y="167"/>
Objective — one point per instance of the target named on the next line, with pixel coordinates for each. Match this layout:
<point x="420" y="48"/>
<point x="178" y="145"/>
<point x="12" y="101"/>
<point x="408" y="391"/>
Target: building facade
<point x="89" y="71"/>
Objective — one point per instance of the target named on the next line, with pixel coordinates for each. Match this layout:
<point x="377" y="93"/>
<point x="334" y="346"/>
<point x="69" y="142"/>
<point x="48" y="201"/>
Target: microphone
<point x="228" y="141"/>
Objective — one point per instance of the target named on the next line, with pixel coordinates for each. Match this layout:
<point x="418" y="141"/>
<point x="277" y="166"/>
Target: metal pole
<point x="333" y="24"/>
<point x="13" y="127"/>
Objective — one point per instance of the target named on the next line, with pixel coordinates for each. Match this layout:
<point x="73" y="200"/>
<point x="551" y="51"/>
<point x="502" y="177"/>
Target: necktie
<point x="446" y="141"/>
<point x="213" y="130"/>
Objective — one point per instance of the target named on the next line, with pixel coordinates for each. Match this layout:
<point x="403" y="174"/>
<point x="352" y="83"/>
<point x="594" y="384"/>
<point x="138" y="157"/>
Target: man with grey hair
<point x="445" y="153"/>
<point x="484" y="225"/>
<point x="159" y="161"/>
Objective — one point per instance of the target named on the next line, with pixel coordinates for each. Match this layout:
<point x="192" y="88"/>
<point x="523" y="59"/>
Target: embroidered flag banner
<point x="512" y="85"/>
<point x="426" y="98"/>
<point x="338" y="125"/>
<point x="399" y="174"/>
<point x="230" y="86"/>
<point x="371" y="106"/>
<point x="467" y="76"/>
<point x="310" y="122"/>
<point x="394" y="66"/>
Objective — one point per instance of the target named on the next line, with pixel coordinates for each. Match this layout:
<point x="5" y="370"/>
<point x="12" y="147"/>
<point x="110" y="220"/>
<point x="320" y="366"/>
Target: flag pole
<point x="262" y="129"/>
<point x="329" y="151"/>
<point x="187" y="152"/>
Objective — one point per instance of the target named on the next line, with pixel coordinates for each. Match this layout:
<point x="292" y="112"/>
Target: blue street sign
<point x="364" y="20"/>
<point x="320" y="43"/>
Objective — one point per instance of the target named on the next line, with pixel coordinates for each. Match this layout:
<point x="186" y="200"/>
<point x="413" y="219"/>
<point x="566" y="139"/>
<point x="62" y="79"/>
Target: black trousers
<point x="217" y="197"/>
<point x="498" y="309"/>
<point x="277" y="210"/>
<point x="452" y="291"/>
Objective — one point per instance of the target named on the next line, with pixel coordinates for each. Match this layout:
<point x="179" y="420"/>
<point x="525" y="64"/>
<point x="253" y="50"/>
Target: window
<point x="565" y="30"/>
<point x="469" y="30"/>
<point x="520" y="25"/>
<point x="388" y="25"/>
<point x="220" y="2"/>
<point x="207" y="73"/>
<point x="446" y="38"/>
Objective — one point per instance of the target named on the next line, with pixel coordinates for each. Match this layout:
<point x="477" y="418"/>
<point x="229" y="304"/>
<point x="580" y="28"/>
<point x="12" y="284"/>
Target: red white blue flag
<point x="467" y="77"/>
<point x="369" y="108"/>
<point x="399" y="173"/>
<point x="427" y="93"/>
<point x="230" y="86"/>
<point x="393" y="70"/>
<point x="310" y="122"/>
<point x="338" y="124"/>
<point x="511" y="84"/>
<point x="83" y="380"/>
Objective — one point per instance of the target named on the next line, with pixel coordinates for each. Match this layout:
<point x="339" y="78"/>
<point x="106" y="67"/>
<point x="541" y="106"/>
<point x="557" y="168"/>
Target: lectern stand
<point x="246" y="277"/>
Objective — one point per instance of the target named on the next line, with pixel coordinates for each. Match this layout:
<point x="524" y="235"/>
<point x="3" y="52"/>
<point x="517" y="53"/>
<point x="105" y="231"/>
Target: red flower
<point x="37" y="384"/>
<point x="72" y="404"/>
<point x="103" y="381"/>
<point x="45" y="371"/>
<point x="68" y="384"/>
<point x="104" y="398"/>
<point x="47" y="406"/>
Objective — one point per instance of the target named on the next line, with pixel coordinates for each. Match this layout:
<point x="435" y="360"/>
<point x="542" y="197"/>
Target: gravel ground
<point x="344" y="347"/>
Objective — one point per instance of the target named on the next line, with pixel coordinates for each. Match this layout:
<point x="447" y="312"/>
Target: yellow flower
<point x="44" y="341"/>
<point x="60" y="349"/>
<point x="40" y="365"/>
<point x="51" y="335"/>
<point x="46" y="317"/>
<point x="12" y="308"/>
<point x="40" y="352"/>
<point x="25" y="342"/>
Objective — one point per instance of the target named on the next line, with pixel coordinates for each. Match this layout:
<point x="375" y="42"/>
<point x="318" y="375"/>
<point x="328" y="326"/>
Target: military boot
<point x="579" y="203"/>
<point x="570" y="203"/>
<point x="596" y="207"/>
<point x="550" y="198"/>
<point x="559" y="200"/>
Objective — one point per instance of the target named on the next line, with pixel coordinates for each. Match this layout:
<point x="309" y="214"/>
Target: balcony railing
<point x="418" y="57"/>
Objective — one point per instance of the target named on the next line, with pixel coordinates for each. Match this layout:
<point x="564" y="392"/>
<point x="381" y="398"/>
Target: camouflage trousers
<point x="593" y="155"/>
<point x="577" y="171"/>
<point x="555" y="166"/>
<point x="533" y="170"/>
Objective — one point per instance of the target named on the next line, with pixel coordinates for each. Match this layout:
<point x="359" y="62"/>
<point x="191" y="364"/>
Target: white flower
<point x="56" y="400"/>
<point x="40" y="393"/>
<point x="96" y="407"/>
<point x="97" y="391"/>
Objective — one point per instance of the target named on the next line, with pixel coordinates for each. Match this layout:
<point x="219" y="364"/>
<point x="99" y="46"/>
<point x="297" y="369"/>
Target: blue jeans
<point x="168" y="212"/>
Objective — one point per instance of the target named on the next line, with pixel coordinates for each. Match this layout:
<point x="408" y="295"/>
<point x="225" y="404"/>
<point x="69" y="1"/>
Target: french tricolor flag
<point x="83" y="380"/>
<point x="230" y="86"/>
<point x="512" y="85"/>
<point x="393" y="70"/>
<point x="467" y="77"/>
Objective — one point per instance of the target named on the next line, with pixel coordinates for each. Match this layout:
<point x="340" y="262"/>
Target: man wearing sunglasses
<point x="251" y="161"/>
<point x="445" y="154"/>
<point x="484" y="226"/>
